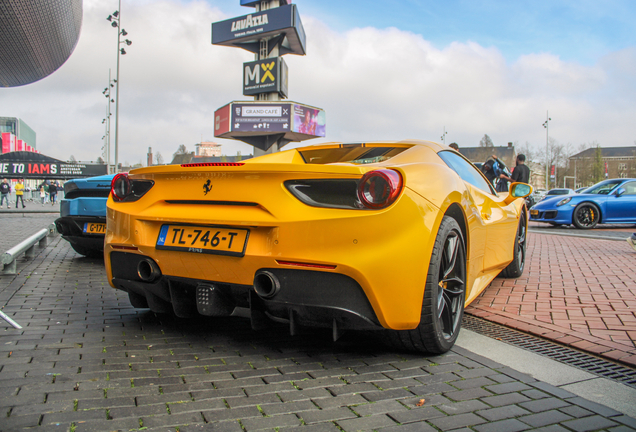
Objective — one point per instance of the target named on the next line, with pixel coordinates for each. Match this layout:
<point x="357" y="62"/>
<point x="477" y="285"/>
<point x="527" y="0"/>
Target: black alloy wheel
<point x="515" y="268"/>
<point x="586" y="216"/>
<point x="444" y="296"/>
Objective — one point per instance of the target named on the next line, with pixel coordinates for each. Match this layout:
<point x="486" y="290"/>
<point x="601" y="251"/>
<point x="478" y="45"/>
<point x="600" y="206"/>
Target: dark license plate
<point x="94" y="228"/>
<point x="200" y="239"/>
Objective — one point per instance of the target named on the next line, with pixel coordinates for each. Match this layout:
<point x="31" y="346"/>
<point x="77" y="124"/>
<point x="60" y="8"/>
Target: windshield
<point x="559" y="192"/>
<point x="350" y="153"/>
<point x="602" y="188"/>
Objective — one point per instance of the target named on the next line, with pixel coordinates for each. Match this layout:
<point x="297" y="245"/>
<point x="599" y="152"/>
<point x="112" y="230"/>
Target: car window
<point x="630" y="188"/>
<point x="465" y="170"/>
<point x="603" y="188"/>
<point x="558" y="192"/>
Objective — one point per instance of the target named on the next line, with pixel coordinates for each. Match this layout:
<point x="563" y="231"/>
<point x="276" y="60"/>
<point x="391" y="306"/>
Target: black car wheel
<point x="586" y="216"/>
<point x="444" y="296"/>
<point x="515" y="268"/>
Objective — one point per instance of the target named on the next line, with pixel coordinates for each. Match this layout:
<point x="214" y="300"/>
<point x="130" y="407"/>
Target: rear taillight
<point x="123" y="189"/>
<point x="374" y="191"/>
<point x="379" y="188"/>
<point x="120" y="186"/>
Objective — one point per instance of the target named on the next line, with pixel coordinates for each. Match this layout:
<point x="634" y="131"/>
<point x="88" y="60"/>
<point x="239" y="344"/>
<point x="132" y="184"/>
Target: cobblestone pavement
<point x="578" y="292"/>
<point x="87" y="361"/>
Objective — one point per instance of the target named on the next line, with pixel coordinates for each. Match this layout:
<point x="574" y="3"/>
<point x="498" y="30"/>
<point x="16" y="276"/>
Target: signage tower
<point x="268" y="122"/>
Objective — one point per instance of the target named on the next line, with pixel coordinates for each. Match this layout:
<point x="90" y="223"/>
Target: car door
<point x="621" y="207"/>
<point x="495" y="224"/>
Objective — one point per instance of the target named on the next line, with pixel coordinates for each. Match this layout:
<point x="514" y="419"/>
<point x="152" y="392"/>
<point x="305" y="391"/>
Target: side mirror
<point x="620" y="192"/>
<point x="518" y="190"/>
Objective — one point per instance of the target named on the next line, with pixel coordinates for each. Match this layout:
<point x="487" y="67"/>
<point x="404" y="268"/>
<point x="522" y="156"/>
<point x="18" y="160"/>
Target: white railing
<point x="26" y="247"/>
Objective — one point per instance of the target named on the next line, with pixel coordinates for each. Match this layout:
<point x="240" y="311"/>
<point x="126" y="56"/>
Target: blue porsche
<point x="610" y="201"/>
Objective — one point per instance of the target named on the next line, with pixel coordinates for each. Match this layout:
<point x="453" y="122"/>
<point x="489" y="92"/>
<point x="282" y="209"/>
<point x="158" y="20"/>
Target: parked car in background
<point x="395" y="237"/>
<point x="579" y="190"/>
<point x="82" y="220"/>
<point x="558" y="191"/>
<point x="610" y="201"/>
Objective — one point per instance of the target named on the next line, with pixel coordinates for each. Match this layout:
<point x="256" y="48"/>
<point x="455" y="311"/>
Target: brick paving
<point x="87" y="361"/>
<point x="577" y="292"/>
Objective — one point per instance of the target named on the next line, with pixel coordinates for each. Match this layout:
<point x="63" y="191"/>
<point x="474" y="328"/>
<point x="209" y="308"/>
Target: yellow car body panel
<point x="387" y="251"/>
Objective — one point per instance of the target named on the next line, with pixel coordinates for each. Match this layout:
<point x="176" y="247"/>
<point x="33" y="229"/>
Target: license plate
<point x="534" y="213"/>
<point x="201" y="239"/>
<point x="94" y="228"/>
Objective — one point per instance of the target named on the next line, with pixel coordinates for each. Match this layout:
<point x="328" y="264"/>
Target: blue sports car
<point x="83" y="214"/>
<point x="610" y="201"/>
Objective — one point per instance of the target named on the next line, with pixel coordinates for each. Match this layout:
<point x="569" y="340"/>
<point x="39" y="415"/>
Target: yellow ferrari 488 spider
<point x="389" y="236"/>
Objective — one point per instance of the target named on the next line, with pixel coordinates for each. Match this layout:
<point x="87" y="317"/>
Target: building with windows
<point x="597" y="163"/>
<point x="16" y="135"/>
<point x="36" y="38"/>
<point x="207" y="149"/>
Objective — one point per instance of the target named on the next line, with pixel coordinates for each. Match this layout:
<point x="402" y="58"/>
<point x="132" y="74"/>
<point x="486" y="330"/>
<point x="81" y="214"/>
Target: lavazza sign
<point x="249" y="22"/>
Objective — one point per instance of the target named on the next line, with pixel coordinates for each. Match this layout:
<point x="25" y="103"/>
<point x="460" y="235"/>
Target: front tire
<point x="515" y="268"/>
<point x="586" y="216"/>
<point x="444" y="296"/>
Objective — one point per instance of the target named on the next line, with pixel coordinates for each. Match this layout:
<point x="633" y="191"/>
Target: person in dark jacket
<point x="5" y="189"/>
<point x="53" y="192"/>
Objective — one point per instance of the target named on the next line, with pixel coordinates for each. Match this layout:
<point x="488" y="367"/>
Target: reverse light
<point x="379" y="189"/>
<point x="564" y="201"/>
<point x="123" y="189"/>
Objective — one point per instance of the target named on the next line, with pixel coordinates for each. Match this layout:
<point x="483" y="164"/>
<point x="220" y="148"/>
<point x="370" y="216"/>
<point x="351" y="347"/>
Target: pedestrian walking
<point x="5" y="188"/>
<point x="53" y="192"/>
<point x="42" y="194"/>
<point x="46" y="192"/>
<point x="19" y="193"/>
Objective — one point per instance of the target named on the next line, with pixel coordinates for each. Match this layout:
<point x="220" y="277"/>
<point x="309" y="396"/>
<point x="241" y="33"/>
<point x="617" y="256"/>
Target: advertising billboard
<point x="309" y="121"/>
<point x="261" y="117"/>
<point x="6" y="142"/>
<point x="31" y="165"/>
<point x="222" y="120"/>
<point x="245" y="31"/>
<point x="265" y="76"/>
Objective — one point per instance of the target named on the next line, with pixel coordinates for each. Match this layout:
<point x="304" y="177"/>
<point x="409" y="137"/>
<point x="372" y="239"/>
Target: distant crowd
<point x="44" y="193"/>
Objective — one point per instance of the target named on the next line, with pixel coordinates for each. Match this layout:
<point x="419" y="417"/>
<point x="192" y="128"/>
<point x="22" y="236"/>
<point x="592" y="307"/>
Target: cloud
<point x="374" y="84"/>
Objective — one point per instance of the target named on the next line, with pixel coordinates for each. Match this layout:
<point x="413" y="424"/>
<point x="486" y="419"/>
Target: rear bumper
<point x="303" y="298"/>
<point x="379" y="259"/>
<point x="71" y="228"/>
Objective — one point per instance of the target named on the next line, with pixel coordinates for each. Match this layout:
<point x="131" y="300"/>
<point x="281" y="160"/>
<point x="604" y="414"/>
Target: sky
<point x="381" y="71"/>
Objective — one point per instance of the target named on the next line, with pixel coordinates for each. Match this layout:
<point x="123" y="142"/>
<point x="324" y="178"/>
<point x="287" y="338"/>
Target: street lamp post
<point x="547" y="152"/>
<point x="106" y="93"/>
<point x="115" y="19"/>
<point x="443" y="137"/>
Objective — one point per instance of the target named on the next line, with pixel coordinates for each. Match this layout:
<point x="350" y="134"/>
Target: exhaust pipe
<point x="147" y="270"/>
<point x="266" y="284"/>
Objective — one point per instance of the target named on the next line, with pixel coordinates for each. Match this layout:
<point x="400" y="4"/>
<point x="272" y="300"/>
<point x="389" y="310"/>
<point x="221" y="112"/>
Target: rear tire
<point x="515" y="268"/>
<point x="444" y="296"/>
